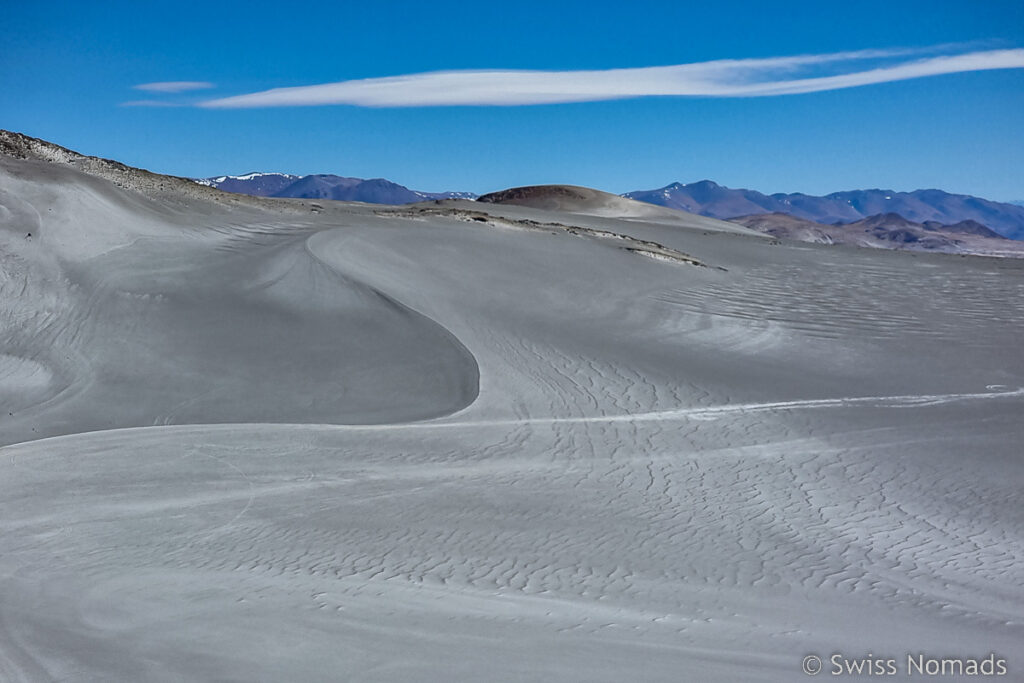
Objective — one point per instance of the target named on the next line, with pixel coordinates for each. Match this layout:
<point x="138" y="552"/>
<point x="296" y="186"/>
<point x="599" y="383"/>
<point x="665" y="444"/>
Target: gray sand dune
<point x="149" y="321"/>
<point x="537" y="454"/>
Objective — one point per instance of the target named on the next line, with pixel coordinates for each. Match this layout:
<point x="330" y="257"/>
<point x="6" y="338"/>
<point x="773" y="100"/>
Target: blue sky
<point x="66" y="70"/>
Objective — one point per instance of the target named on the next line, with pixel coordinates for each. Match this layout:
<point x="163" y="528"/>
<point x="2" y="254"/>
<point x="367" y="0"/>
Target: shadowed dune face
<point x="626" y="467"/>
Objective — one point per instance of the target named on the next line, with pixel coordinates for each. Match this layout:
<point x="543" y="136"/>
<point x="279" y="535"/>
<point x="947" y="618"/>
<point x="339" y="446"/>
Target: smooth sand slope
<point x="286" y="441"/>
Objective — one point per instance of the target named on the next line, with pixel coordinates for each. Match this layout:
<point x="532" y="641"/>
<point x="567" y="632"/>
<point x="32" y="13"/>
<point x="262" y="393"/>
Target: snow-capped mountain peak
<point x="325" y="186"/>
<point x="216" y="181"/>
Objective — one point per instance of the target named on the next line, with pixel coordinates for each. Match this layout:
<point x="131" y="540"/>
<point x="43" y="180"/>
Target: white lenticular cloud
<point x="174" y="86"/>
<point x="722" y="78"/>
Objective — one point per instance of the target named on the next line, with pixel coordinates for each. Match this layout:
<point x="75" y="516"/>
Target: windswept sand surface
<point x="286" y="442"/>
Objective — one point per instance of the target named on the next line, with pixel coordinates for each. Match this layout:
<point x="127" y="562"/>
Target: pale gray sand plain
<point x="273" y="441"/>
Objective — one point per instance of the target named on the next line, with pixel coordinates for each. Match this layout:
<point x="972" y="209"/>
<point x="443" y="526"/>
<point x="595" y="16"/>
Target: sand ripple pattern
<point x="890" y="301"/>
<point x="268" y="458"/>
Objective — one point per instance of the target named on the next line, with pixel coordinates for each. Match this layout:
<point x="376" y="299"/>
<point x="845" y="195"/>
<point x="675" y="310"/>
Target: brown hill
<point x="888" y="231"/>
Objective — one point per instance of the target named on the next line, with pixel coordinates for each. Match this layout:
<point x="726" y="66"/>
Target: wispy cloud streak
<point x="151" y="103"/>
<point x="174" y="86"/>
<point x="722" y="78"/>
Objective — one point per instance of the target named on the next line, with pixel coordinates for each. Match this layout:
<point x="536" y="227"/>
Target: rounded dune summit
<point x="585" y="201"/>
<point x="573" y="199"/>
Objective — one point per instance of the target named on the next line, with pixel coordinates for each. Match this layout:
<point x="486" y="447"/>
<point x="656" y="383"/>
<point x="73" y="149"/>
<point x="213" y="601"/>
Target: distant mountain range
<point x="325" y="186"/>
<point x="881" y="231"/>
<point x="705" y="197"/>
<point x="708" y="198"/>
